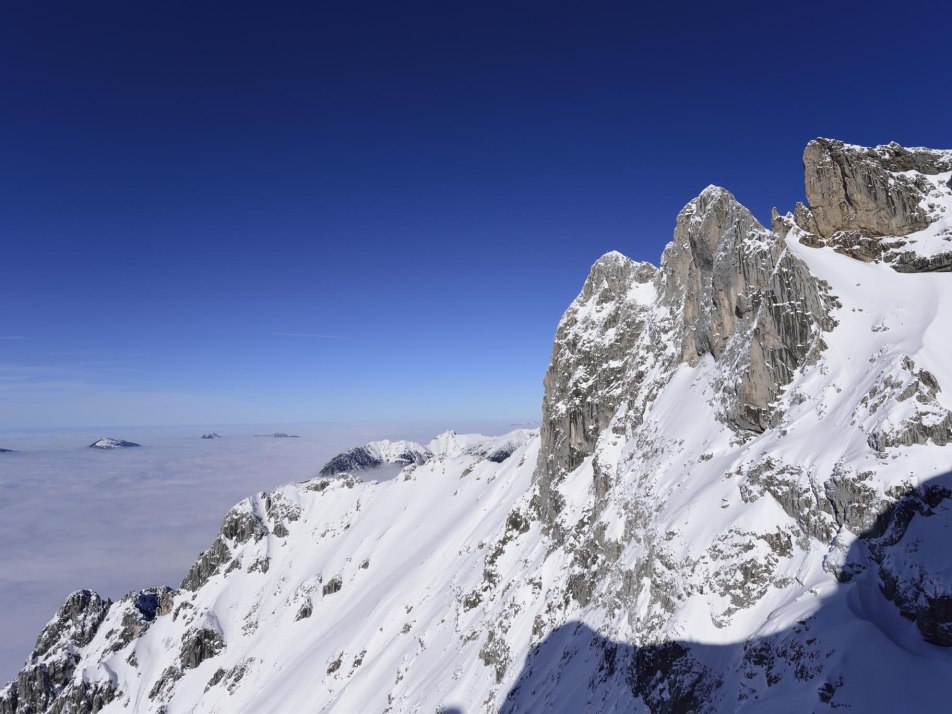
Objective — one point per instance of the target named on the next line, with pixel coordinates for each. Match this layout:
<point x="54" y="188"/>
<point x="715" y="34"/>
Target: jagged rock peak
<point x="614" y="273"/>
<point x="588" y="375"/>
<point x="745" y="300"/>
<point x="702" y="268"/>
<point x="75" y="622"/>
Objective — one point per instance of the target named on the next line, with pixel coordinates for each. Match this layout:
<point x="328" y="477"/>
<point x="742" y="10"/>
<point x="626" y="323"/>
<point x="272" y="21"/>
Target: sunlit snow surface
<point x="121" y="519"/>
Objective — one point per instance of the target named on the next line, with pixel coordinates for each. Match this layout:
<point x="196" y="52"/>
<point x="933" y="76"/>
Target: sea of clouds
<point x="119" y="520"/>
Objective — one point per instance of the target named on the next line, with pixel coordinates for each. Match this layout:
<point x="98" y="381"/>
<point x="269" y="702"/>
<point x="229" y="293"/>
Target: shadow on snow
<point x="880" y="642"/>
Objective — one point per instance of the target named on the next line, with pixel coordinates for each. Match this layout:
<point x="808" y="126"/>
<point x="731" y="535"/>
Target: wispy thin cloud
<point x="309" y="334"/>
<point x="9" y="384"/>
<point x="19" y="377"/>
<point x="83" y="354"/>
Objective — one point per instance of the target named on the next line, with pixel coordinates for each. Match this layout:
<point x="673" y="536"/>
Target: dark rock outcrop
<point x="376" y="454"/>
<point x="907" y="546"/>
<point x="139" y="610"/>
<point x="44" y="684"/>
<point x="198" y="646"/>
<point x="239" y="526"/>
<point x="332" y="586"/>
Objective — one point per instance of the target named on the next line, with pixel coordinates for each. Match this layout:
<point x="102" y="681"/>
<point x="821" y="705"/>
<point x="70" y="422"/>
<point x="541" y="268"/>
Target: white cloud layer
<point x="114" y="521"/>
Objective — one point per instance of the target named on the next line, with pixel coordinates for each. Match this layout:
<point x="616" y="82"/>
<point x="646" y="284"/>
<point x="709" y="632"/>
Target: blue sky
<point x="227" y="212"/>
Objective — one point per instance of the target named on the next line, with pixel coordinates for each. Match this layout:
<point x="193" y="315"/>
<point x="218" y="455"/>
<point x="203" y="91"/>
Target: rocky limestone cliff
<point x="883" y="203"/>
<point x="869" y="190"/>
<point x="590" y="375"/>
<point x="745" y="300"/>
<point x="727" y="289"/>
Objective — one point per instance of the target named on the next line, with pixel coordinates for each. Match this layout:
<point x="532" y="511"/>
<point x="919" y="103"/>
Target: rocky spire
<point x="744" y="300"/>
<point x="587" y="377"/>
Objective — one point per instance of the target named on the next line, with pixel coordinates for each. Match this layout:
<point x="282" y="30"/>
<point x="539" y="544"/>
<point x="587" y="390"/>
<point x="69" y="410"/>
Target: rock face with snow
<point x="883" y="203"/>
<point x="739" y="499"/>
<point x="497" y="449"/>
<point x="374" y="454"/>
<point x="449" y="444"/>
<point x="589" y="375"/>
<point x="107" y="443"/>
<point x="737" y="294"/>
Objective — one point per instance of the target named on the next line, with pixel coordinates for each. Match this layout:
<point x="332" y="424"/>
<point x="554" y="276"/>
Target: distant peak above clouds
<point x="108" y="443"/>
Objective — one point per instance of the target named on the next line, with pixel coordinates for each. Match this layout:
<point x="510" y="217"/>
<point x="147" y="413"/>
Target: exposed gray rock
<point x="47" y="674"/>
<point x="75" y="623"/>
<point x="864" y="200"/>
<point x="910" y="393"/>
<point x="855" y="503"/>
<point x="797" y="494"/>
<point x="862" y="189"/>
<point x="332" y="586"/>
<point x="81" y="697"/>
<point x="164" y="684"/>
<point x="239" y="526"/>
<point x="198" y="646"/>
<point x="138" y="611"/>
<point x="209" y="563"/>
<point x="586" y="381"/>
<point x="374" y="454"/>
<point x="845" y="499"/>
<point x="910" y="262"/>
<point x="495" y="653"/>
<point x="745" y="300"/>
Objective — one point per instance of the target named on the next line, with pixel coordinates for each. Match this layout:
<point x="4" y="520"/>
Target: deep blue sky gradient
<point x="229" y="212"/>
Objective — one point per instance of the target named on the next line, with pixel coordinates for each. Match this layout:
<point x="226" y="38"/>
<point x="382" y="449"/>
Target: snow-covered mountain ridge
<point x="738" y="500"/>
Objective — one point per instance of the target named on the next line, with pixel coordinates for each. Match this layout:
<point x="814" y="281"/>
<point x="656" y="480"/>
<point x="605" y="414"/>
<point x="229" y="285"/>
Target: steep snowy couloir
<point x="739" y="499"/>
